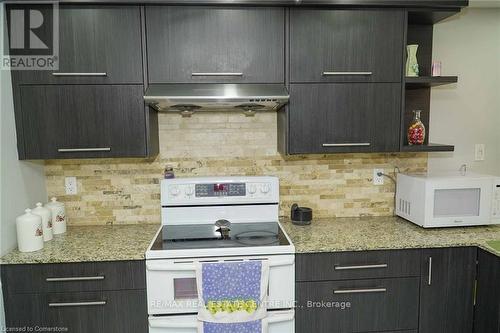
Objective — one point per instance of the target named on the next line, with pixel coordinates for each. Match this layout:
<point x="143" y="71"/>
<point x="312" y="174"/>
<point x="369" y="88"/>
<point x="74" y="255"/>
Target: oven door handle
<point x="273" y="317"/>
<point x="159" y="323"/>
<point x="190" y="266"/>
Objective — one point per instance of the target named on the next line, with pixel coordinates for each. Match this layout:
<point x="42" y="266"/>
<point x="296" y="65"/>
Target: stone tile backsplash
<point x="125" y="191"/>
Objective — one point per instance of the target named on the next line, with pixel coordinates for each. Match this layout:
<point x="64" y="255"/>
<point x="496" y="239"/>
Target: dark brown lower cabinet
<point x="357" y="305"/>
<point x="487" y="310"/>
<point x="396" y="291"/>
<point x="121" y="311"/>
<point x="447" y="290"/>
<point x="102" y="297"/>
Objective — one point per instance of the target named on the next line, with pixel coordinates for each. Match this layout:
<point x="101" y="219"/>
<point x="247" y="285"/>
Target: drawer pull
<point x="217" y="74"/>
<point x="345" y="268"/>
<point x="353" y="144"/>
<point x="62" y="305"/>
<point x="80" y="74"/>
<point x="346" y="73"/>
<point x="77" y="278"/>
<point x="73" y="150"/>
<point x="360" y="291"/>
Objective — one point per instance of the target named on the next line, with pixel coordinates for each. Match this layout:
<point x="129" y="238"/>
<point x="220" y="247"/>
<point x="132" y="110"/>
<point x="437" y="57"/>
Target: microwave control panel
<point x="496" y="200"/>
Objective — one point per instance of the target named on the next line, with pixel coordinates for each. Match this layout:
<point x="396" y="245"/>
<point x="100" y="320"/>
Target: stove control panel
<point x="220" y="190"/>
<point x="226" y="190"/>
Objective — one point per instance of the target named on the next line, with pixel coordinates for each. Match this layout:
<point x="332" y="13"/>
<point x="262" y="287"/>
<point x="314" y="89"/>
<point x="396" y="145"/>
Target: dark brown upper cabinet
<point x="213" y="44"/>
<point x="97" y="45"/>
<point x="80" y="121"/>
<point x="346" y="45"/>
<point x="344" y="117"/>
<point x="92" y="106"/>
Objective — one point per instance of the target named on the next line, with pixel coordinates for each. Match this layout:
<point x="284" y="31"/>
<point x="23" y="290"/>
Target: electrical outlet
<point x="70" y="185"/>
<point x="378" y="180"/>
<point x="480" y="152"/>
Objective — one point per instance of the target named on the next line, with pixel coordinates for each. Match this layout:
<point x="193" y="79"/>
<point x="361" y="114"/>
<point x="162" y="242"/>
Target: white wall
<point x="22" y="183"/>
<point x="467" y="113"/>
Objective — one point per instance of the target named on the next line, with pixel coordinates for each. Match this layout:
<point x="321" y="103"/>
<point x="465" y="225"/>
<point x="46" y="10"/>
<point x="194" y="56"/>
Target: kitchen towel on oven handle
<point x="256" y="326"/>
<point x="231" y="293"/>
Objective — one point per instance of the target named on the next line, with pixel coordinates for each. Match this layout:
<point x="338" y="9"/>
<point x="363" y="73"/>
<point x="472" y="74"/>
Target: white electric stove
<point x="217" y="219"/>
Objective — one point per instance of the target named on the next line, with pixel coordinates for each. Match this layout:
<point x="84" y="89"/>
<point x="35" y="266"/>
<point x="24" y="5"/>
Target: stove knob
<point x="189" y="191"/>
<point x="265" y="188"/>
<point x="174" y="191"/>
<point x="252" y="189"/>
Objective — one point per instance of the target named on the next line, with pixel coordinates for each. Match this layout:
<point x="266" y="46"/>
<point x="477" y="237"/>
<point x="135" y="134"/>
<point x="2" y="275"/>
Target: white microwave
<point x="448" y="200"/>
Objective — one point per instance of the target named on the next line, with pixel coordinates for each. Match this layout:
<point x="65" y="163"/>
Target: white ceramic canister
<point x="29" y="232"/>
<point x="46" y="216"/>
<point x="58" y="216"/>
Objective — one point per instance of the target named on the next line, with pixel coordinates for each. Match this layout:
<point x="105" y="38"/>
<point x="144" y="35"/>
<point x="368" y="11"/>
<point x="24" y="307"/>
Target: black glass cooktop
<point x="204" y="236"/>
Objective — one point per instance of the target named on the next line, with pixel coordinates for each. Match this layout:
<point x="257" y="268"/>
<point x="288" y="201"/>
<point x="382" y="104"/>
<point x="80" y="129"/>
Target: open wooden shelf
<point x="427" y="147"/>
<point x="426" y="16"/>
<point x="429" y="81"/>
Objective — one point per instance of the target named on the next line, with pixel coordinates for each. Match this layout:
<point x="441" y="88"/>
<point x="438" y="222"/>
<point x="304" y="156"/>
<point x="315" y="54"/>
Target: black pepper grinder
<point x="301" y="215"/>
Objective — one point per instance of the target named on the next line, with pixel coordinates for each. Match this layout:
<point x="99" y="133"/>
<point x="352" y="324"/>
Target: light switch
<point x="480" y="152"/>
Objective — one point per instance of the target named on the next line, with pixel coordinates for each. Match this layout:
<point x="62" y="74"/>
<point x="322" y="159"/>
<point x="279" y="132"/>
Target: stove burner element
<point x="224" y="228"/>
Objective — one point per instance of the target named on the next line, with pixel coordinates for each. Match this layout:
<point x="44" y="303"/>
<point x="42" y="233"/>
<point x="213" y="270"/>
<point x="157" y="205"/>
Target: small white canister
<point x="46" y="216"/>
<point x="29" y="232"/>
<point x="58" y="216"/>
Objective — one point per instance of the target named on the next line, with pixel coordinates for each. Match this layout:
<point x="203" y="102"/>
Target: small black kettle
<point x="301" y="215"/>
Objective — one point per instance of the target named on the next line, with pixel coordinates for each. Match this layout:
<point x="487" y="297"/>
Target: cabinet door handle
<point x="342" y="268"/>
<point x="61" y="305"/>
<point x="360" y="291"/>
<point x="346" y="73"/>
<point x="353" y="144"/>
<point x="73" y="150"/>
<point x="217" y="74"/>
<point x="76" y="278"/>
<point x="429" y="277"/>
<point x="79" y="74"/>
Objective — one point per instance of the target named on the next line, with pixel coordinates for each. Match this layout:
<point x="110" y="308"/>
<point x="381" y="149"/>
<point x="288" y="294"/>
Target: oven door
<point x="278" y="322"/>
<point x="171" y="283"/>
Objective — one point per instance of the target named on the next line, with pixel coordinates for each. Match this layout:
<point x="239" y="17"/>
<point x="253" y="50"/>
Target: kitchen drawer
<point x="357" y="305"/>
<point x="278" y="322"/>
<point x="83" y="312"/>
<point x="93" y="276"/>
<point x="331" y="45"/>
<point x="215" y="44"/>
<point x="357" y="265"/>
<point x="97" y="45"/>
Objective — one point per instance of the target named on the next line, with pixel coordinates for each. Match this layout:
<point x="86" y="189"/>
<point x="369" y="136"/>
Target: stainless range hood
<point x="189" y="98"/>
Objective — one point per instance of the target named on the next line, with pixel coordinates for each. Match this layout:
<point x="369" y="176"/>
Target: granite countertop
<point x="129" y="242"/>
<point x="377" y="233"/>
<point x="90" y="243"/>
